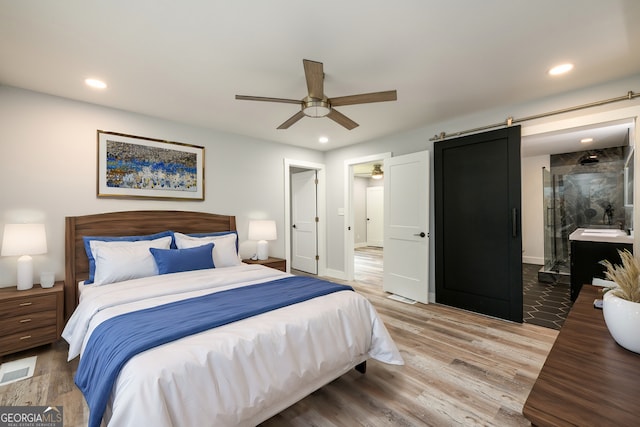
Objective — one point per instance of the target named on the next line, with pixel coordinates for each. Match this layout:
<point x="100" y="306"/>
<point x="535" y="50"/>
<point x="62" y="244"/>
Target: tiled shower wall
<point x="584" y="192"/>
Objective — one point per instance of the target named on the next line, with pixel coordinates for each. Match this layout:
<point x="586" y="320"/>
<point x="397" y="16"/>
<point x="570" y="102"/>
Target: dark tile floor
<point x="544" y="304"/>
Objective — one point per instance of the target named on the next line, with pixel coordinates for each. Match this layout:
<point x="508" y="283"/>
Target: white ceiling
<point x="185" y="61"/>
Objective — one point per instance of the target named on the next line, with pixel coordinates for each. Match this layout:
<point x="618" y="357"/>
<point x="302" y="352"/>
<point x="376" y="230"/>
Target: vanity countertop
<point x="607" y="235"/>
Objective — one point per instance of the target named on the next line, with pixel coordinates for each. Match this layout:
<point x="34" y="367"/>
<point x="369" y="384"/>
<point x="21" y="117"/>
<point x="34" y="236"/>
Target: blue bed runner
<point x="115" y="341"/>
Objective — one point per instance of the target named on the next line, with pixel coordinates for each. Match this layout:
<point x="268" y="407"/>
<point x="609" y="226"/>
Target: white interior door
<point x="304" y="232"/>
<point x="375" y="216"/>
<point x="406" y="226"/>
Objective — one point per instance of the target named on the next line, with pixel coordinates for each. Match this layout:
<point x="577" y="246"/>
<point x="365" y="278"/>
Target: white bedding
<point x="237" y="374"/>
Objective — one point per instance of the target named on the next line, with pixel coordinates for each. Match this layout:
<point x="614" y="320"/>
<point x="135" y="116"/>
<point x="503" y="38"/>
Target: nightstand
<point x="30" y="318"/>
<point x="277" y="263"/>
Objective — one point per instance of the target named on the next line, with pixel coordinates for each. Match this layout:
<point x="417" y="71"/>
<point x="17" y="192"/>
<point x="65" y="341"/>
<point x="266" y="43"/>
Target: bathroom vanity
<point x="589" y="246"/>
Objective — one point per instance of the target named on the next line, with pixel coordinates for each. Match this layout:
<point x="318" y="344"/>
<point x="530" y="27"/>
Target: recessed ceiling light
<point x="323" y="140"/>
<point x="586" y="140"/>
<point x="560" y="69"/>
<point x="97" y="84"/>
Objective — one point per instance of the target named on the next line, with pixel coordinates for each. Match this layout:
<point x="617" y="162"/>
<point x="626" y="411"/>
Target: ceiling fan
<point x="316" y="103"/>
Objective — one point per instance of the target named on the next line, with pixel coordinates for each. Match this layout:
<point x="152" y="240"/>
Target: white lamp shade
<point x="24" y="240"/>
<point x="262" y="231"/>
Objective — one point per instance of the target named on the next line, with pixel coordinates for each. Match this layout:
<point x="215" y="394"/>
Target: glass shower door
<point x="556" y="231"/>
<point x="548" y="216"/>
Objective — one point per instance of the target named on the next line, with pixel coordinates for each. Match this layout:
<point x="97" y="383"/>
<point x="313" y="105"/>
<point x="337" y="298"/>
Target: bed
<point x="197" y="345"/>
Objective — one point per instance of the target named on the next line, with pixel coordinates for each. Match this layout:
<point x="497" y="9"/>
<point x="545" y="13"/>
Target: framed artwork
<point x="136" y="167"/>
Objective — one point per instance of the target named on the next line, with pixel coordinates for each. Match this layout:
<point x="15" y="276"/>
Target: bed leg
<point x="362" y="367"/>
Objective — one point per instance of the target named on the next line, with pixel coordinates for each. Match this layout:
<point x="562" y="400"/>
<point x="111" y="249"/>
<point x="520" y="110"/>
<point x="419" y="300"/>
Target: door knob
<point x="421" y="234"/>
<point x="294" y="226"/>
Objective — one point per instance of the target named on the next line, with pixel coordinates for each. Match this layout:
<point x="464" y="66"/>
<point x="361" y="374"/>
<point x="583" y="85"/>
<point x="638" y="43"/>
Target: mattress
<point x="236" y="374"/>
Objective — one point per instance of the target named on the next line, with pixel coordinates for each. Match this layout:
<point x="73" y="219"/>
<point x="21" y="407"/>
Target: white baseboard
<point x="532" y="260"/>
<point x="336" y="274"/>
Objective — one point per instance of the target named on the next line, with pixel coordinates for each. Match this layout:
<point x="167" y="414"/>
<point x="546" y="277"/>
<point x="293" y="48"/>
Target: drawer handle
<point x="24" y="304"/>
<point x="26" y="337"/>
<point x="25" y="320"/>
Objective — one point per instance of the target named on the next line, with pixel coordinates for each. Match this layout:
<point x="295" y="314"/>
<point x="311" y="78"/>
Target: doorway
<point x="562" y="192"/>
<point x="304" y="221"/>
<point x="358" y="177"/>
<point x="291" y="168"/>
<point x="406" y="219"/>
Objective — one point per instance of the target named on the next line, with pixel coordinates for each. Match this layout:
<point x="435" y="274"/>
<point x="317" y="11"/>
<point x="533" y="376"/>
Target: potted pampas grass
<point x="621" y="302"/>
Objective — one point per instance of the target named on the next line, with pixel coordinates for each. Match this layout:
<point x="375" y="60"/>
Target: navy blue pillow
<point x="92" y="262"/>
<point x="177" y="260"/>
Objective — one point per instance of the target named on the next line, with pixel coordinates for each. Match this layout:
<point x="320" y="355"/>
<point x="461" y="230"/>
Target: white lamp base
<point x="25" y="273"/>
<point x="262" y="249"/>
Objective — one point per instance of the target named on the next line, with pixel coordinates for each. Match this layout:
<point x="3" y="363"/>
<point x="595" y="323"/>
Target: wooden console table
<point x="587" y="379"/>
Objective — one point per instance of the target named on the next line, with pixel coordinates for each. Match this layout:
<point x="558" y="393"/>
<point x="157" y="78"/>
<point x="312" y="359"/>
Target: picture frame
<point x="136" y="167"/>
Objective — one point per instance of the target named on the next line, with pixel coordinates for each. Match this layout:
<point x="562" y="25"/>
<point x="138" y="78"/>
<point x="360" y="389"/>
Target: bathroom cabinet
<point x="588" y="249"/>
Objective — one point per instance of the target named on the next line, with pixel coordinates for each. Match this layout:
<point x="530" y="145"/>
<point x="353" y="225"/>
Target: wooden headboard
<point x="129" y="223"/>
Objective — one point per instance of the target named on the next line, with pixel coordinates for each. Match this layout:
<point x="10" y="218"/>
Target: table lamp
<point x="24" y="240"/>
<point x="262" y="231"/>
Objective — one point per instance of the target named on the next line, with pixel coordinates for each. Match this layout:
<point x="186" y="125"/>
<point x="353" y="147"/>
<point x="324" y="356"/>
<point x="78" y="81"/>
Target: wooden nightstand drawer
<point x="30" y="318"/>
<point x="18" y="324"/>
<point x="27" y="305"/>
<point x="27" y="339"/>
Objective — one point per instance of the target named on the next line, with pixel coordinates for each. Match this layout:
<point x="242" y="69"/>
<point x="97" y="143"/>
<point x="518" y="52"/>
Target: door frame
<point x="304" y="195"/>
<point x="348" y="208"/>
<point x="321" y="200"/>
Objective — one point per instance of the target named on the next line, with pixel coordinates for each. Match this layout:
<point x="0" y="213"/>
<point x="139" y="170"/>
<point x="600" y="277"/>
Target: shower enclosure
<point x="578" y="198"/>
<point x="556" y="230"/>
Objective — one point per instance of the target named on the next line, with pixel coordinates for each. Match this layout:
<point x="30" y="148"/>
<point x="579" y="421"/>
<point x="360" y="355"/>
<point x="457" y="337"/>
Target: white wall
<point x="48" y="163"/>
<point x="532" y="208"/>
<point x="48" y="170"/>
<point x="418" y="140"/>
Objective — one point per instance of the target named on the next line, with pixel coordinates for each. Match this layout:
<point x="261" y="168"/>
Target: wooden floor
<point x="461" y="369"/>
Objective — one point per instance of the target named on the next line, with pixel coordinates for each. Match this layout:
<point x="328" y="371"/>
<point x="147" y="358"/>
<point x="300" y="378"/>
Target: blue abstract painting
<point x="144" y="167"/>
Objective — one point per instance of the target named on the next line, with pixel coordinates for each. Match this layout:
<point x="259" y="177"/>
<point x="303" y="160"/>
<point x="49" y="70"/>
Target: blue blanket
<point x="120" y="338"/>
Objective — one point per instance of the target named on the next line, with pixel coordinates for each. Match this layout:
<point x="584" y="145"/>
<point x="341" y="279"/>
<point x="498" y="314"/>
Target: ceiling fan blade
<point x="291" y="120"/>
<point x="313" y="72"/>
<point x="341" y="119"/>
<point x="364" y="98"/>
<point x="264" y="98"/>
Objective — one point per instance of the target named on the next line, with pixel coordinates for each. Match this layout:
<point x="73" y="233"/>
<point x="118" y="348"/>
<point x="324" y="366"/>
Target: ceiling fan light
<point x="316" y="108"/>
<point x="377" y="173"/>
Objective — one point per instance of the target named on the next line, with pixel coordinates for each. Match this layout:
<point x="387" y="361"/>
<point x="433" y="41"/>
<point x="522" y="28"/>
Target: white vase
<point x="623" y="321"/>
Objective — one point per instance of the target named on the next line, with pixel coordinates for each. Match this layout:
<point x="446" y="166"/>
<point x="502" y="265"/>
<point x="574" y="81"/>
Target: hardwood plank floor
<point x="461" y="369"/>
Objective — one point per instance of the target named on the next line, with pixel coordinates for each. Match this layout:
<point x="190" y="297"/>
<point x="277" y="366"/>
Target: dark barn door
<point x="477" y="223"/>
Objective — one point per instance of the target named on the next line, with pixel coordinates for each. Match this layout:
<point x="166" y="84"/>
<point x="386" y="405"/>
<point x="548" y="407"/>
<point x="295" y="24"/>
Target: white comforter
<point x="237" y="374"/>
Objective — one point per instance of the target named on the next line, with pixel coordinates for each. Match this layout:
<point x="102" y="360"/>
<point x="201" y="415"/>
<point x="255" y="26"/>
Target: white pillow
<point x="118" y="260"/>
<point x="224" y="251"/>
